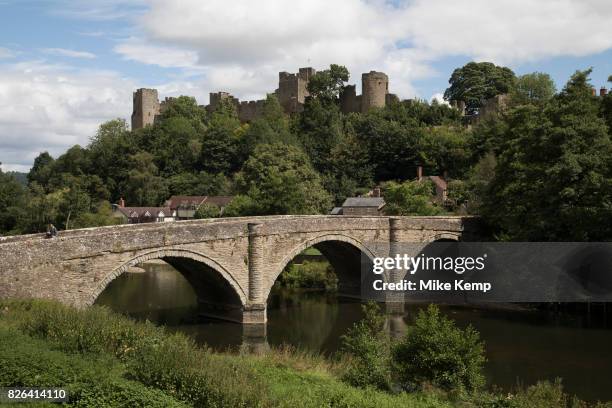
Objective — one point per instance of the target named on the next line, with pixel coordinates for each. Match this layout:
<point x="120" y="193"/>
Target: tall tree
<point x="553" y="180"/>
<point x="328" y="84"/>
<point x="535" y="88"/>
<point x="279" y="179"/>
<point x="476" y="82"/>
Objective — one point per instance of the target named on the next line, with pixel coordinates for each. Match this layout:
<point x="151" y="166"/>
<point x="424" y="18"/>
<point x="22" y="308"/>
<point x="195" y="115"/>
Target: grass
<point x="107" y="360"/>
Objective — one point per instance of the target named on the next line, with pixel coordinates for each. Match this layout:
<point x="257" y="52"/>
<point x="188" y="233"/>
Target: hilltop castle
<point x="291" y="93"/>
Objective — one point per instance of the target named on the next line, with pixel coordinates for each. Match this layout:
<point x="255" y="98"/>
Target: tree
<point x="328" y="84"/>
<point x="435" y="351"/>
<point x="535" y="88"/>
<point x="144" y="187"/>
<point x="350" y="168"/>
<point x="553" y="179"/>
<point x="41" y="170"/>
<point x="185" y="107"/>
<point x="391" y="144"/>
<point x="410" y="198"/>
<point x="110" y="149"/>
<point x="176" y="146"/>
<point x="220" y="151"/>
<point x="320" y="130"/>
<point x="101" y="216"/>
<point x="272" y="127"/>
<point x="13" y="199"/>
<point x="476" y="82"/>
<point x="279" y="179"/>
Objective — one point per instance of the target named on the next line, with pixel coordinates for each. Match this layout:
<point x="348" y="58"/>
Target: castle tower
<point x="374" y="88"/>
<point x="293" y="89"/>
<point x="146" y="107"/>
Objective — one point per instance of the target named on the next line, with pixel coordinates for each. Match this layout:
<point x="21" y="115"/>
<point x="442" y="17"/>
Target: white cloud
<point x="139" y="50"/>
<point x="63" y="52"/>
<point x="510" y="31"/>
<point x="439" y="97"/>
<point x="239" y="42"/>
<point x="51" y="107"/>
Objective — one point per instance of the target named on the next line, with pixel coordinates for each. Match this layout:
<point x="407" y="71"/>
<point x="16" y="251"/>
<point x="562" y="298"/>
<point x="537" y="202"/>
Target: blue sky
<point x="67" y="66"/>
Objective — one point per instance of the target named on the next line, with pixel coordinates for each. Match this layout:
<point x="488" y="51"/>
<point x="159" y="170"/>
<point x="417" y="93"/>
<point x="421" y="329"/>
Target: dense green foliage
<point x="411" y="198"/>
<point x="553" y="177"/>
<point x="435" y="351"/>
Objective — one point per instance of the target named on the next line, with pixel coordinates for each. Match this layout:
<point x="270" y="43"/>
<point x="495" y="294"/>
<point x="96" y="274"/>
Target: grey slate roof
<point x="376" y="202"/>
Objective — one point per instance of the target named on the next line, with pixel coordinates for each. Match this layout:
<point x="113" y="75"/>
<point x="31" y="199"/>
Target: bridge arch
<point x="326" y="243"/>
<point x="171" y="255"/>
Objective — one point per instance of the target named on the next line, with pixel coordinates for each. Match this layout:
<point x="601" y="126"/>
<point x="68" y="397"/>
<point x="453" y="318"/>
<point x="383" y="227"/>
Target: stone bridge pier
<point x="231" y="263"/>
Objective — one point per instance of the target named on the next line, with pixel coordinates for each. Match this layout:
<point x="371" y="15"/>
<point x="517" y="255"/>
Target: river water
<point x="522" y="347"/>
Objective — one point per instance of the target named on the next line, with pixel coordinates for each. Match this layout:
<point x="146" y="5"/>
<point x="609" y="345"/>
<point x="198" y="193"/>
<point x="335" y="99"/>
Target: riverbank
<point x="107" y="359"/>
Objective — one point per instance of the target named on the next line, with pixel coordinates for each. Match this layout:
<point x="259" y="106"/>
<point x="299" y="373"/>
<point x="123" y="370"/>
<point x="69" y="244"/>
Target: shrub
<point x="367" y="346"/>
<point x="436" y="351"/>
<point x="310" y="274"/>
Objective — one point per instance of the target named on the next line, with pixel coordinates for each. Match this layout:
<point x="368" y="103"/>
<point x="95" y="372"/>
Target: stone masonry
<point x="231" y="262"/>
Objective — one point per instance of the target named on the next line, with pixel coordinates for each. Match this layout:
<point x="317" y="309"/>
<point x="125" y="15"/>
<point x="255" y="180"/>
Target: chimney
<point x="603" y="91"/>
<point x="376" y="192"/>
<point x="419" y="173"/>
<point x="594" y="91"/>
<point x="121" y="202"/>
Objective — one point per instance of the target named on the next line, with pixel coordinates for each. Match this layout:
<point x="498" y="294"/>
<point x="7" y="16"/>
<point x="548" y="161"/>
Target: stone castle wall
<point x="292" y="92"/>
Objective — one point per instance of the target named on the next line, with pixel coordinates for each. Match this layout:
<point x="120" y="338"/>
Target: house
<point x="137" y="215"/>
<point x="185" y="207"/>
<point x="439" y="182"/>
<point x="371" y="204"/>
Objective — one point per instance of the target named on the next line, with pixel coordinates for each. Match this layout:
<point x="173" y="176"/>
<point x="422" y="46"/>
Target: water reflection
<point x="522" y="347"/>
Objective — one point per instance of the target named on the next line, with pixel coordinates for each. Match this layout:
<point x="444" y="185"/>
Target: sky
<point x="67" y="66"/>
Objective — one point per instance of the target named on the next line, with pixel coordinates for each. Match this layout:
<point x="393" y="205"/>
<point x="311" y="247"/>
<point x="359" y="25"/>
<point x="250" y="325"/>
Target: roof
<point x="144" y="212"/>
<point x="376" y="202"/>
<point x="175" y="202"/>
<point x="336" y="211"/>
<point x="185" y="201"/>
<point x="221" y="201"/>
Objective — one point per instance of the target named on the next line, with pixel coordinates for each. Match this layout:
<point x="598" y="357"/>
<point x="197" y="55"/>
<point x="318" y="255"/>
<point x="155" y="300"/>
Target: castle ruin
<point x="292" y="92"/>
<point x="374" y="94"/>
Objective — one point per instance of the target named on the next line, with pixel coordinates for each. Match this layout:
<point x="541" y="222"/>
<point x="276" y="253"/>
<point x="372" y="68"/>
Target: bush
<point x="310" y="274"/>
<point x="436" y="351"/>
<point x="367" y="346"/>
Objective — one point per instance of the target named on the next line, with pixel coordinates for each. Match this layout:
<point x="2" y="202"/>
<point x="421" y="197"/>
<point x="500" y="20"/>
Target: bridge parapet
<point x="243" y="261"/>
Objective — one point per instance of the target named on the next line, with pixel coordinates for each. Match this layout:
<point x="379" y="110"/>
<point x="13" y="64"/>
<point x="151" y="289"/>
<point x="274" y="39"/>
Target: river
<point x="521" y="346"/>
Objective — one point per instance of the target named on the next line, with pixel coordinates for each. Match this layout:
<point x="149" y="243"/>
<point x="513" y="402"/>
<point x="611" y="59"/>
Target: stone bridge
<point x="232" y="262"/>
